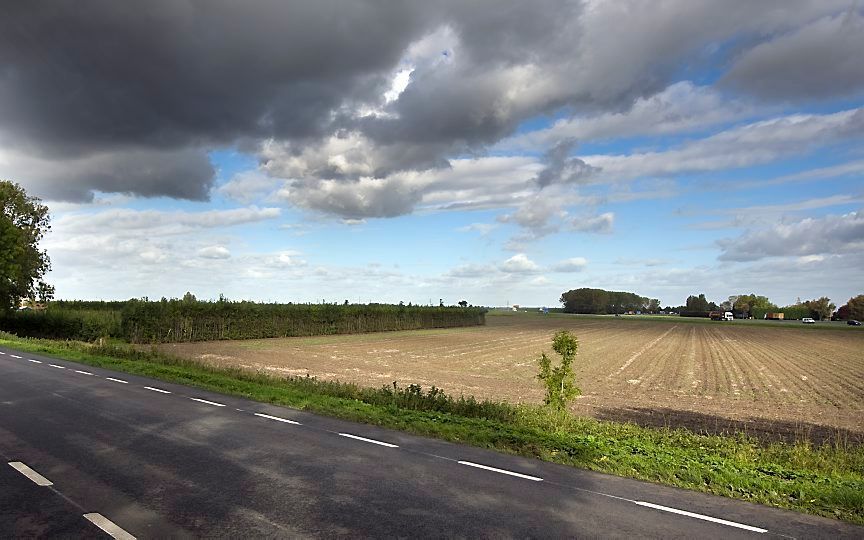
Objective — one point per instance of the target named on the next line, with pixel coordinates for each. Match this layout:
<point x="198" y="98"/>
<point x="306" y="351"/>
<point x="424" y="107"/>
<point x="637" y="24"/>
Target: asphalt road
<point x="150" y="459"/>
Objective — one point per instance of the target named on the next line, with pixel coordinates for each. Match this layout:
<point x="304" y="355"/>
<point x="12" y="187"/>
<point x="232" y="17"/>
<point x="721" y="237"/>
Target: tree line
<point x="757" y="306"/>
<point x="602" y="302"/>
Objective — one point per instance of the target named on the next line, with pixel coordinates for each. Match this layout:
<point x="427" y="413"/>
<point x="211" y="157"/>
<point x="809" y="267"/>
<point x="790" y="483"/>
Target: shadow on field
<point x="762" y="429"/>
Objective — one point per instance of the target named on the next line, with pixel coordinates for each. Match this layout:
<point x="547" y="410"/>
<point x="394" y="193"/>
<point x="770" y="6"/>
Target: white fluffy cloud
<point x="489" y="182"/>
<point x="751" y="144"/>
<point x="810" y="236"/>
<point x="519" y="264"/>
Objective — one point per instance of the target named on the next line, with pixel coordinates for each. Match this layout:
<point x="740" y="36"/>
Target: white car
<point x="808" y="320"/>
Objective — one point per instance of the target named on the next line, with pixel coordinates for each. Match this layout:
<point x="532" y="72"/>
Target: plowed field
<point x="790" y="382"/>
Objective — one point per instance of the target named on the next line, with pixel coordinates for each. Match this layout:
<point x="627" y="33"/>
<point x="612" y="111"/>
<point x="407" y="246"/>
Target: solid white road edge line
<point x="207" y="402"/>
<point x="108" y="526"/>
<point x="116" y="380"/>
<point x="502" y="471"/>
<point x="373" y="441"/>
<point x="37" y="478"/>
<point x="701" y="516"/>
<point x="34" y="361"/>
<point x="58" y="367"/>
<point x="157" y="390"/>
<point x="14" y="356"/>
<point x="262" y="415"/>
<point x="82" y="372"/>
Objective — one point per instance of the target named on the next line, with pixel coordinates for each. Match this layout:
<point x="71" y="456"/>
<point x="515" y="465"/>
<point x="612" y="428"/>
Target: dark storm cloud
<point x="97" y="73"/>
<point x="820" y="60"/>
<point x="92" y="77"/>
<point x="181" y="174"/>
<point x="87" y="85"/>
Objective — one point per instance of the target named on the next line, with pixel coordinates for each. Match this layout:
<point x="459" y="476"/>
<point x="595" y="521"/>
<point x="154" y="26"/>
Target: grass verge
<point x="823" y="480"/>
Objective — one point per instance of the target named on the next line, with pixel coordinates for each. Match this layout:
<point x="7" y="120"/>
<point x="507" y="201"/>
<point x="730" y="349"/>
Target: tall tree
<point x="697" y="303"/>
<point x="748" y="303"/>
<point x="822" y="308"/>
<point x="24" y="221"/>
<point x="856" y="307"/>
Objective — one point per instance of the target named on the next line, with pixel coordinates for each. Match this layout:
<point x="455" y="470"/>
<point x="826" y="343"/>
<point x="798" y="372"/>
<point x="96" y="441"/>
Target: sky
<point x="493" y="151"/>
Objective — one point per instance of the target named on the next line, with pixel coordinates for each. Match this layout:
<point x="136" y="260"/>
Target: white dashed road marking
<point x="207" y="402"/>
<point x="108" y="526"/>
<point x="373" y="441"/>
<point x="702" y="517"/>
<point x="116" y="380"/>
<point x="56" y="366"/>
<point x="1" y="352"/>
<point x="502" y="471"/>
<point x="83" y="372"/>
<point x="14" y="356"/>
<point x="157" y="390"/>
<point x="37" y="478"/>
<point x="277" y="418"/>
<point x="34" y="361"/>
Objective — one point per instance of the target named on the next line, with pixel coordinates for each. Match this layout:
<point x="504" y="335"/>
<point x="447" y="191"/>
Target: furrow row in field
<point x="752" y="368"/>
<point x="803" y="379"/>
<point x="648" y="370"/>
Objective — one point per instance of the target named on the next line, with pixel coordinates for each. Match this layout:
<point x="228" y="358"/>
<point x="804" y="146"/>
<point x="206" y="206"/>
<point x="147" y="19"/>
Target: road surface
<point x="88" y="452"/>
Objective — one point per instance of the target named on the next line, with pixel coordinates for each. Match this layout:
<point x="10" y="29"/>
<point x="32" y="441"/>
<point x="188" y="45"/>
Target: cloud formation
<point x="573" y="264"/>
<point x="819" y="60"/>
<point x="599" y="224"/>
<point x="750" y="144"/>
<point x="356" y="93"/>
<point x="519" y="264"/>
<point x="561" y="168"/>
<point x="810" y="236"/>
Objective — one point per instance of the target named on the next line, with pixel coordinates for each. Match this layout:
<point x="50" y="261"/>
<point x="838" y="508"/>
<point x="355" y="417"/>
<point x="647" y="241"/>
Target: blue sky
<point x="595" y="144"/>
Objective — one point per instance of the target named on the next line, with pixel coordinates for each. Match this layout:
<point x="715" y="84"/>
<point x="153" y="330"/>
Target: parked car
<point x="853" y="322"/>
<point x="808" y="320"/>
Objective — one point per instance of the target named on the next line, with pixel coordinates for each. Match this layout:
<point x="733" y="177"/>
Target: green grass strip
<point x="826" y="480"/>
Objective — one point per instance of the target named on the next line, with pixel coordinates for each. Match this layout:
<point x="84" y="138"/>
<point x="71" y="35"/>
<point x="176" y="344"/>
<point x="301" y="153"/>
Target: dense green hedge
<point x="143" y="321"/>
<point x="789" y="312"/>
<point x="176" y="321"/>
<point x="64" y="323"/>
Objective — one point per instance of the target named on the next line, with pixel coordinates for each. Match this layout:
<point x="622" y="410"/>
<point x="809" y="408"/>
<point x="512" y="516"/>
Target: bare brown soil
<point x="789" y="382"/>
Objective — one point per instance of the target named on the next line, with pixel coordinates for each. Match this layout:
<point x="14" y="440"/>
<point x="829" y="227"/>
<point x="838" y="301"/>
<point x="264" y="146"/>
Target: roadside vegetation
<point x="189" y="319"/>
<point x="826" y="480"/>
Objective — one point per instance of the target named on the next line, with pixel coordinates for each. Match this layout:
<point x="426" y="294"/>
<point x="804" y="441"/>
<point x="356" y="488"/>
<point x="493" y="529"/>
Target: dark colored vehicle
<point x="853" y="322"/>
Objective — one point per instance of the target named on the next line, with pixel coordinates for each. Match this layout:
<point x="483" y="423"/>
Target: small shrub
<point x="560" y="380"/>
